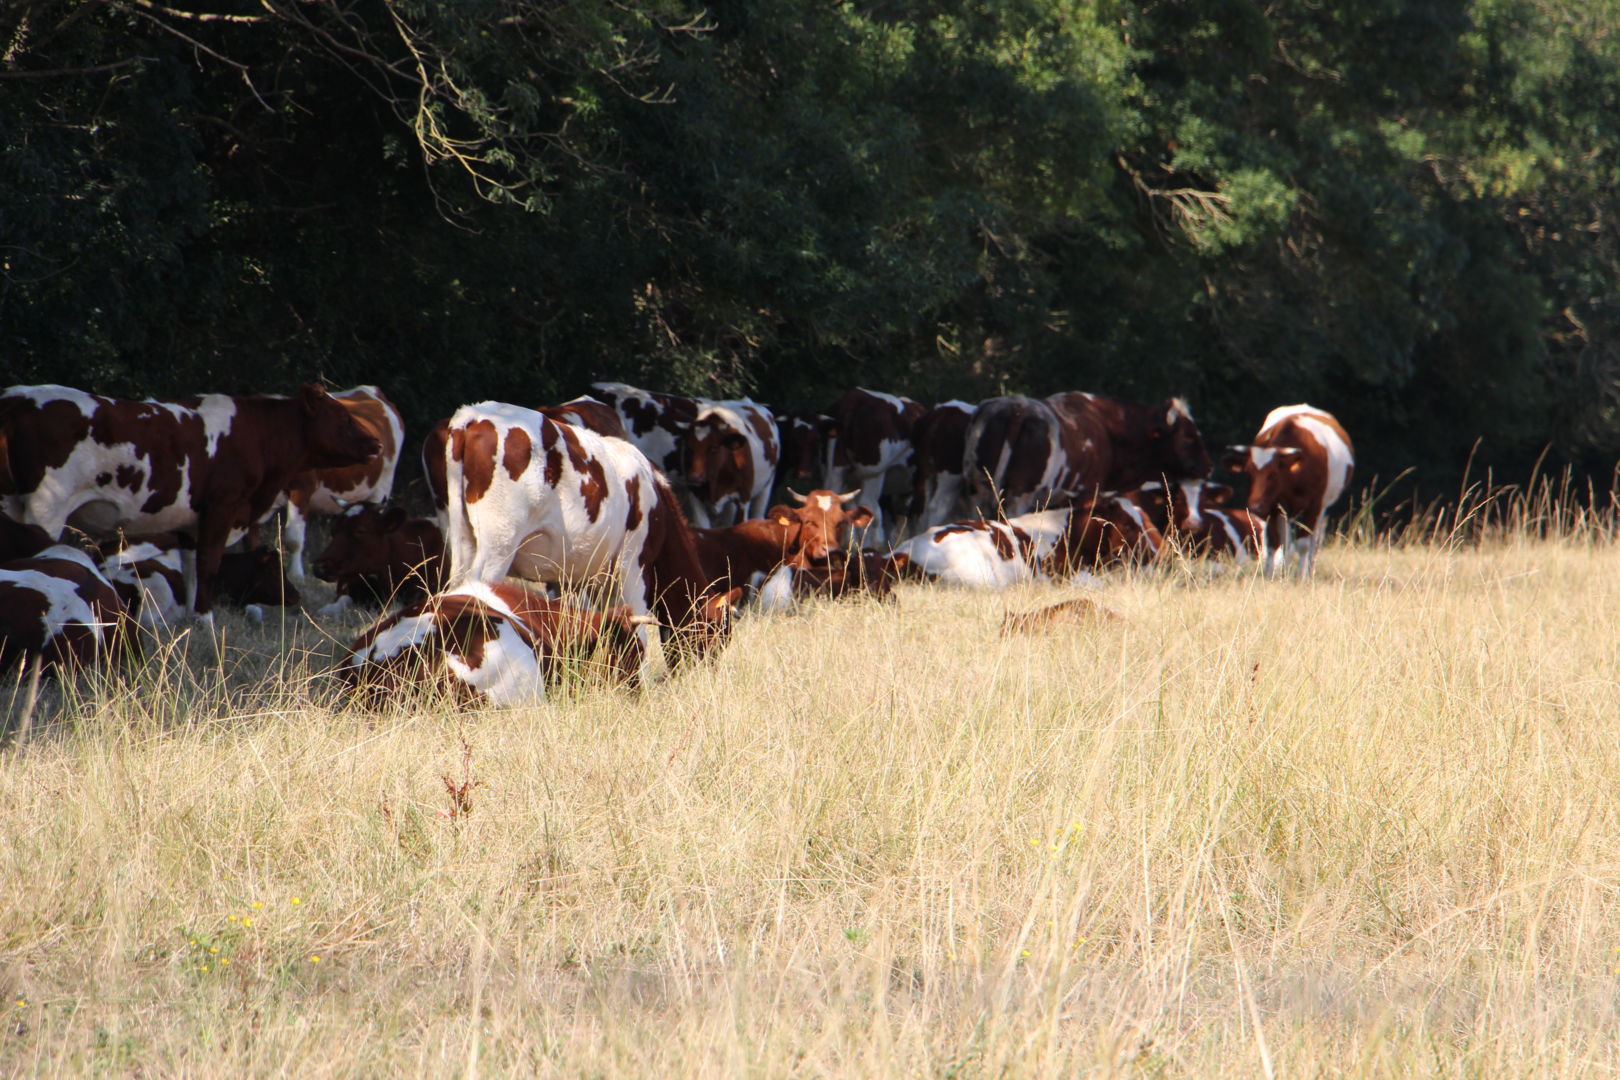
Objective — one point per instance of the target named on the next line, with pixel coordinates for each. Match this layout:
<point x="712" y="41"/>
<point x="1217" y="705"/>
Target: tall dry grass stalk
<point x="1364" y="826"/>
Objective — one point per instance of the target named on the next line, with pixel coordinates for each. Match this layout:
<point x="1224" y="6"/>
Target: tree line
<point x="1400" y="210"/>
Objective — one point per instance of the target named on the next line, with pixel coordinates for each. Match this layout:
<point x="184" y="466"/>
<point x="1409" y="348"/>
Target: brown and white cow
<point x="1298" y="466"/>
<point x="747" y="553"/>
<point x="147" y="572"/>
<point x="655" y="423"/>
<point x="550" y="502"/>
<point x="853" y="573"/>
<point x="731" y="453"/>
<point x="938" y="443"/>
<point x="58" y="608"/>
<point x="1022" y="450"/>
<point x="378" y="556"/>
<point x="334" y="490"/>
<point x="582" y="412"/>
<point x="1012" y="455"/>
<point x="1091" y="532"/>
<point x="500" y="642"/>
<point x="1199" y="522"/>
<point x="868" y="444"/>
<point x="800" y="437"/>
<point x="206" y="466"/>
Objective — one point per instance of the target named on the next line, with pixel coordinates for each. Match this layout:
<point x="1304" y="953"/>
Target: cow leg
<point x="292" y="538"/>
<point x="939" y="503"/>
<point x="1277" y="537"/>
<point x="871" y="498"/>
<point x="213" y="534"/>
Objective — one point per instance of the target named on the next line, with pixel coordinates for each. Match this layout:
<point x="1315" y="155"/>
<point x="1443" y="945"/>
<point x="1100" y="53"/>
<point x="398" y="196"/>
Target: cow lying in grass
<point x="503" y="643"/>
<point x="56" y="607"/>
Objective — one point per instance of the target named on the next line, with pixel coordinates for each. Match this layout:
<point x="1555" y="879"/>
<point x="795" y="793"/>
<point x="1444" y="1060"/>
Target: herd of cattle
<point x="659" y="507"/>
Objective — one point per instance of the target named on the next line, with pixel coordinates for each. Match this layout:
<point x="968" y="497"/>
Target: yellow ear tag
<point x="783" y="521"/>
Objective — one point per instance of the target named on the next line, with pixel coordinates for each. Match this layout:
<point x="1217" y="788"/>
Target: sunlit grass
<point x="1362" y="826"/>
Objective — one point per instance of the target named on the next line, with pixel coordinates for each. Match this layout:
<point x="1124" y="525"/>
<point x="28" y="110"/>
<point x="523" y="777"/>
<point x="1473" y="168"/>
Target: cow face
<point x="801" y="443"/>
<point x="361" y="543"/>
<point x="335" y="436"/>
<point x="820" y="520"/>
<point x="1277" y="475"/>
<point x="718" y="463"/>
<point x="1180" y="446"/>
<point x="255" y="577"/>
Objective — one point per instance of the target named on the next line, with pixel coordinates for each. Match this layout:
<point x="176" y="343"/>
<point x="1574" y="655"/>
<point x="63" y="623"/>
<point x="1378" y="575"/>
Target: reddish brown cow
<point x="864" y="573"/>
<point x="501" y="642"/>
<point x="1213" y="529"/>
<point x="203" y="466"/>
<point x="376" y="556"/>
<point x="868" y="443"/>
<point x="731" y="456"/>
<point x="746" y="553"/>
<point x="55" y="606"/>
<point x="1298" y="467"/>
<point x="800" y="437"/>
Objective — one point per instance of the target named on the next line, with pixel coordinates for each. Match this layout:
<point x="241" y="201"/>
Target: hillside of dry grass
<point x="1364" y="826"/>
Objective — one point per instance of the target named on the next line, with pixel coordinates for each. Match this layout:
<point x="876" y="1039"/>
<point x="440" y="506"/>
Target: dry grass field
<point x="1364" y="826"/>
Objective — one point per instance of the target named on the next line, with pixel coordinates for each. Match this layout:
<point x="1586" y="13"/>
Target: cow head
<point x="20" y="541"/>
<point x="255" y="577"/>
<point x="821" y="519"/>
<point x="361" y="543"/>
<point x="1276" y="475"/>
<point x="334" y="436"/>
<point x="801" y="443"/>
<point x="1179" y="445"/>
<point x="719" y="462"/>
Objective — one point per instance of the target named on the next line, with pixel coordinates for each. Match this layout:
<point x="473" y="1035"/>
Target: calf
<point x="550" y="502"/>
<point x="1298" y="467"/>
<point x="57" y="607"/>
<point x="731" y="456"/>
<point x="204" y="466"/>
<point x="745" y="554"/>
<point x="1199" y="520"/>
<point x="503" y="643"/>
<point x="861" y="573"/>
<point x="375" y="556"/>
<point x="333" y="490"/>
<point x="868" y="443"/>
<point x="938" y="444"/>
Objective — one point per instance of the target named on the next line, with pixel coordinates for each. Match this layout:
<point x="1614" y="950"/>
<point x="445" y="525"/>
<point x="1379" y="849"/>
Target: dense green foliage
<point x="1401" y="210"/>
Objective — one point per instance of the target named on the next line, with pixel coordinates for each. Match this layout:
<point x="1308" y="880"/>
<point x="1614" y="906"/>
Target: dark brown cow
<point x="1298" y="467"/>
<point x="1012" y="456"/>
<point x="938" y="444"/>
<point x="203" y="466"/>
<point x="747" y="553"/>
<point x="55" y="606"/>
<point x="334" y="490"/>
<point x="1113" y="445"/>
<point x="500" y="642"/>
<point x="377" y="556"/>
<point x="800" y="437"/>
<point x="868" y="444"/>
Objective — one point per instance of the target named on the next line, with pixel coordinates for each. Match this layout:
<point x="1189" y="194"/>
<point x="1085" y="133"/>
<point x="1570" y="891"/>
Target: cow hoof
<point x="255" y="614"/>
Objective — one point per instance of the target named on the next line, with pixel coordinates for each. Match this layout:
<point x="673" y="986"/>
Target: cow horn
<point x="796" y="496"/>
<point x="849" y="495"/>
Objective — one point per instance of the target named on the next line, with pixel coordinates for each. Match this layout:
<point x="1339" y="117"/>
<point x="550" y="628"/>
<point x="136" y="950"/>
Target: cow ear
<point x="860" y="518"/>
<point x="310" y="396"/>
<point x="1235" y="458"/>
<point x="393" y="518"/>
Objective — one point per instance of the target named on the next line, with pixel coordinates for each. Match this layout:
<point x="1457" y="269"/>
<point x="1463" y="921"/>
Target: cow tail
<point x="462" y="543"/>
